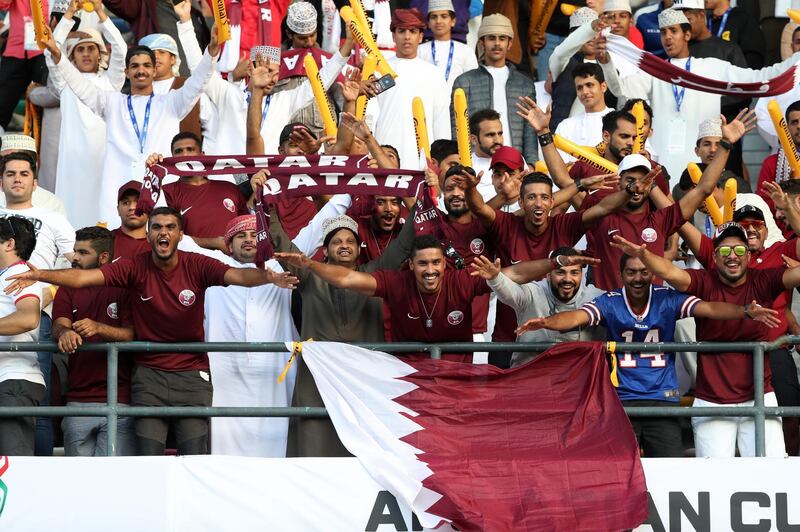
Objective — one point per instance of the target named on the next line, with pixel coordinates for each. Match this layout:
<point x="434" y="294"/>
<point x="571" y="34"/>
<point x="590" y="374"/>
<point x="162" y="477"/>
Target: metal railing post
<point x="758" y="397"/>
<point x="111" y="401"/>
<point x="436" y="352"/>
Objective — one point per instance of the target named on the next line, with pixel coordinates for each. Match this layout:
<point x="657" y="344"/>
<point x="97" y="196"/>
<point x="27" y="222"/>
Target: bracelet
<point x="545" y="139"/>
<point x="581" y="186"/>
<point x="725" y="144"/>
<point x="747" y="313"/>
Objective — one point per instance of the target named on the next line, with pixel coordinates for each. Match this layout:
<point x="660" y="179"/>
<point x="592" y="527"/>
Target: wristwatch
<point x="725" y="144"/>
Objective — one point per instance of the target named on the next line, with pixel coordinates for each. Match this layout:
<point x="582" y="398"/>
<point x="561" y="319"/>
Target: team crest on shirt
<point x="455" y="317"/>
<point x="112" y="311"/>
<point x="477" y="246"/>
<point x="228" y="204"/>
<point x="649" y="235"/>
<point x="186" y="297"/>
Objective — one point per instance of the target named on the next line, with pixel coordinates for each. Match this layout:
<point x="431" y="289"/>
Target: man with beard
<point x="379" y="227"/>
<point x="784" y="372"/>
<point x="643" y="312"/>
<point x="130" y="238"/>
<point x="485" y="137"/>
<point x="560" y="291"/>
<point x="775" y="168"/>
<point x="90" y="315"/>
<point x="726" y="379"/>
<point x="167" y="294"/>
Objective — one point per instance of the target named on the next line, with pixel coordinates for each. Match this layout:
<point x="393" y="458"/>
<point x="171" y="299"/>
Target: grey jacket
<point x="536" y="300"/>
<point x="478" y="86"/>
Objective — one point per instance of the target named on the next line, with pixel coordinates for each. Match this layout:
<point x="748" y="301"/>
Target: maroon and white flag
<point x="543" y="446"/>
<point x="666" y="71"/>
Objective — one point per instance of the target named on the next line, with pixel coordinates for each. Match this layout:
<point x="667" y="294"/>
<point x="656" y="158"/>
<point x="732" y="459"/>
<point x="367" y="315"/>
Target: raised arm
<point x="614" y="201"/>
<point x="361" y="130"/>
<point x="479" y="208"/>
<point x="71" y="277"/>
<point x="679" y="279"/>
<point x="183" y="99"/>
<point x="338" y="276"/>
<point x="784" y="204"/>
<point x="638" y="85"/>
<point x="258" y="277"/>
<point x="533" y="270"/>
<point x="562" y="321"/>
<point x="571" y="45"/>
<point x="94" y="98"/>
<point x="512" y="294"/>
<point x="716" y="310"/>
<point x="116" y="60"/>
<point x="263" y="74"/>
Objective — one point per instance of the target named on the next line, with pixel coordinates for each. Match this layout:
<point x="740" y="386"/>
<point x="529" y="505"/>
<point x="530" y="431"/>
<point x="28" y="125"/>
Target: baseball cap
<point x="294" y="126"/>
<point x="508" y="156"/>
<point x="331" y="225"/>
<point x="688" y="4"/>
<point x="729" y="229"/>
<point x="634" y="160"/>
<point x="133" y="185"/>
<point x="748" y="211"/>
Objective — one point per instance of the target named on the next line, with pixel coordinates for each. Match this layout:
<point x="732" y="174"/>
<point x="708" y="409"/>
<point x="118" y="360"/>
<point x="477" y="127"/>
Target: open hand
<point x="629" y="248"/>
<point x="153" y="158"/>
<point x="533" y="114"/>
<point x="533" y="324"/>
<point x="485" y="268"/>
<point x="745" y="121"/>
<point x="282" y="279"/>
<point x="298" y="260"/>
<point x="765" y="315"/>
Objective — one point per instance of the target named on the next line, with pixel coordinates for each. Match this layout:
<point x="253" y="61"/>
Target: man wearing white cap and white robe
<point x="82" y="141"/>
<point x="678" y="110"/>
<point x="453" y="58"/>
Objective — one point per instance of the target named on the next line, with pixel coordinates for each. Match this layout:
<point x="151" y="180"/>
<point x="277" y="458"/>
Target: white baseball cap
<point x="634" y="160"/>
<point x="688" y="4"/>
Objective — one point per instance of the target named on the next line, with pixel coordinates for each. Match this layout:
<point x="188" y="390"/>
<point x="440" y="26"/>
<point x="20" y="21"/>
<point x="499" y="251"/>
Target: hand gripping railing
<point x="111" y="410"/>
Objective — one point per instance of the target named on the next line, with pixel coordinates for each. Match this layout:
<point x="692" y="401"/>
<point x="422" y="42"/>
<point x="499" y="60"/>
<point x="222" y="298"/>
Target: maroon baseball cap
<point x="133" y="185"/>
<point x="509" y="157"/>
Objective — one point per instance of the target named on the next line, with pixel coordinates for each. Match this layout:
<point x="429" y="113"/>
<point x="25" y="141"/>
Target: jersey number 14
<point x="657" y="360"/>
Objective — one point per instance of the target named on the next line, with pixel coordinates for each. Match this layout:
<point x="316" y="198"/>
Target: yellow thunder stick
<point x="361" y="15"/>
<point x="547" y="10"/>
<point x="364" y="38"/>
<point x="540" y="166"/>
<point x="221" y="21"/>
<point x="568" y="9"/>
<point x="638" y="113"/>
<point x="711" y="204"/>
<point x="730" y="200"/>
<point x="785" y="138"/>
<point x="462" y="127"/>
<point x="794" y="14"/>
<point x="367" y="69"/>
<point x="328" y="118"/>
<point x="40" y="27"/>
<point x="420" y="127"/>
<point x="583" y="154"/>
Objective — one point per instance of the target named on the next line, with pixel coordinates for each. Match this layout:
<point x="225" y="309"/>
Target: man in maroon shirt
<point x="93" y="314"/>
<point x="430" y="302"/>
<point x="167" y="290"/>
<point x="130" y="238"/>
<point x="378" y="227"/>
<point x="207" y="205"/>
<point x="726" y="378"/>
<point x="775" y="168"/>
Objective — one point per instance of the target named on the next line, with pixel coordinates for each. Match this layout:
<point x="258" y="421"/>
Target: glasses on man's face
<point x="755" y="224"/>
<point x="725" y="251"/>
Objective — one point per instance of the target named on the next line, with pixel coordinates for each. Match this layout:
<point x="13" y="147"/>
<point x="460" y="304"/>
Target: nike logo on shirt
<point x="184" y="211"/>
<point x="145" y="298"/>
<point x="515" y="261"/>
<point x="412" y="317"/>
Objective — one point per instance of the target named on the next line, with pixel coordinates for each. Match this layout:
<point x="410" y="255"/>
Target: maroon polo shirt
<point x="206" y="208"/>
<point x="168" y="306"/>
<point x="126" y="246"/>
<point x="450" y="309"/>
<point x="88" y="370"/>
<point x="727" y="378"/>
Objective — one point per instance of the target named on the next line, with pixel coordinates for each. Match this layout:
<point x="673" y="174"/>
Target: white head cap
<point x="331" y="225"/>
<point x="440" y="5"/>
<point x="671" y="17"/>
<point x="634" y="160"/>
<point x="688" y="4"/>
<point x="709" y="128"/>
<point x="301" y="18"/>
<point x="581" y="16"/>
<point x="617" y="5"/>
<point x="273" y="53"/>
<point x="15" y="142"/>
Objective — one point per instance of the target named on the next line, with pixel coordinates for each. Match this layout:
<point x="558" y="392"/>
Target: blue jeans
<point x="88" y="436"/>
<point x="44" y="425"/>
<point x="545" y="53"/>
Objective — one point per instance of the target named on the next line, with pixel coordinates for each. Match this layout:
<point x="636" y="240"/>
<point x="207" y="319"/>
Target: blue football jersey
<point x="643" y="375"/>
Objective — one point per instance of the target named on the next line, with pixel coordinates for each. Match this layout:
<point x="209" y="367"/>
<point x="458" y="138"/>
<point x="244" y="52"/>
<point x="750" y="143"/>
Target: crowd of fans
<point x="536" y="244"/>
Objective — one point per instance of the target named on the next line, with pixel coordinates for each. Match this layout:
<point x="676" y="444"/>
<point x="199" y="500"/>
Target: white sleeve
<point x="116" y="61"/>
<point x="309" y="239"/>
<point x="637" y="85"/>
<point x="303" y="95"/>
<point x="86" y="91"/>
<point x="61" y="30"/>
<point x="187" y="243"/>
<point x="569" y="47"/>
<point x="515" y="296"/>
<point x="183" y="99"/>
<point x="64" y="235"/>
<point x="728" y="72"/>
<point x="216" y="86"/>
<point x="59" y="36"/>
<point x="441" y="111"/>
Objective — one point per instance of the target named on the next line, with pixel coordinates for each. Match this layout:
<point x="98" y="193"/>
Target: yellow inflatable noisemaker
<point x="711" y="204"/>
<point x="583" y="154"/>
<point x="462" y="127"/>
<point x="312" y="72"/>
<point x="785" y="138"/>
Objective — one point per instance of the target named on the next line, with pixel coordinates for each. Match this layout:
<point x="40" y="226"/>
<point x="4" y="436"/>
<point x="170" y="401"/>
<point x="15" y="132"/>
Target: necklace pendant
<point x="429" y="323"/>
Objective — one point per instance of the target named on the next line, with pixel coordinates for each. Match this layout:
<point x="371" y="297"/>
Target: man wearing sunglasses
<point x="726" y="379"/>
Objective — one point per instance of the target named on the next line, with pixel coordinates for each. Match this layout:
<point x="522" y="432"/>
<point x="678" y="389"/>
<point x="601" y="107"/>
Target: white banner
<point x="219" y="493"/>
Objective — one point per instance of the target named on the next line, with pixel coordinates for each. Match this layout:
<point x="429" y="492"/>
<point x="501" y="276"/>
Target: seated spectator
<point x="130" y="238"/>
<point x="454" y="57"/>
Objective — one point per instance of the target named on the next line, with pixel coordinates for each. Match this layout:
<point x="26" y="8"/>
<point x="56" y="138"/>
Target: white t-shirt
<point x="438" y="53"/>
<point x="585" y="129"/>
<point x="499" y="102"/>
<point x="54" y="235"/>
<point x="16" y="365"/>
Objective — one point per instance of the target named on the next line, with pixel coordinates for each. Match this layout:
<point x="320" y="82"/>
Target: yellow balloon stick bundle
<point x="711" y="204"/>
<point x="40" y="27"/>
<point x="367" y="69"/>
<point x="543" y="15"/>
<point x="462" y="127"/>
<point x="361" y="15"/>
<point x="420" y="127"/>
<point x="583" y="154"/>
<point x="638" y="113"/>
<point x="730" y="200"/>
<point x="785" y="138"/>
<point x="364" y="38"/>
<point x="328" y="118"/>
<point x="221" y="21"/>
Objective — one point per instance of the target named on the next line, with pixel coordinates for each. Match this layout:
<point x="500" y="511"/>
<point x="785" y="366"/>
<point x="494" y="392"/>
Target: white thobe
<point x="463" y="58"/>
<point x="585" y="129"/>
<point x="675" y="130"/>
<point x="82" y="142"/>
<point x="124" y="157"/>
<point x="394" y="123"/>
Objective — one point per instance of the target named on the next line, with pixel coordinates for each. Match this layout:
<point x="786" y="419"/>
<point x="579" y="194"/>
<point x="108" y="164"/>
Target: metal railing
<point x="112" y="410"/>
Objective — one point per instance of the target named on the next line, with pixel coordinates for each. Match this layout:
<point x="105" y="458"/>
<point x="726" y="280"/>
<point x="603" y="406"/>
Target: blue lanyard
<point x="449" y="58"/>
<point x="265" y="105"/>
<point x="678" y="95"/>
<point x="709" y="227"/>
<point x="141" y="136"/>
<point x="723" y="23"/>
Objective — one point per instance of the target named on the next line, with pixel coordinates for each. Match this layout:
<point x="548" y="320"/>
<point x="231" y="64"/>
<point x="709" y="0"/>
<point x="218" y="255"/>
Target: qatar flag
<point x="544" y="446"/>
